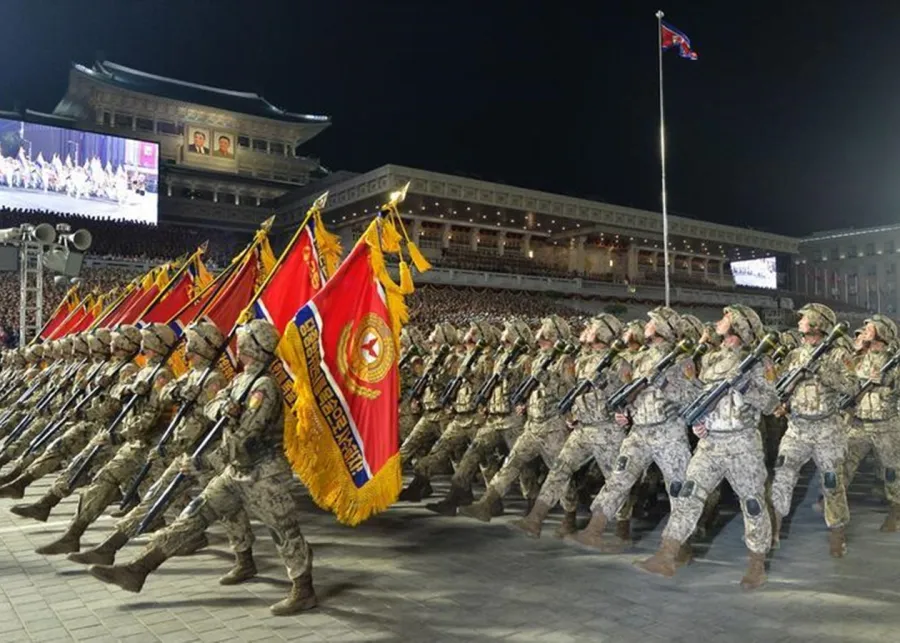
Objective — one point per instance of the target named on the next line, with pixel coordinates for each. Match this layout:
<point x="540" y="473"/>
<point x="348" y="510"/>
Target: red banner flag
<point x="66" y="306"/>
<point x="74" y="319"/>
<point x="342" y="349"/>
<point x="193" y="278"/>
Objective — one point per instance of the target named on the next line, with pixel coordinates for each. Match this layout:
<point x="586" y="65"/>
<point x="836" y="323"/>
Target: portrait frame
<point x="191" y="146"/>
<point x="216" y="145"/>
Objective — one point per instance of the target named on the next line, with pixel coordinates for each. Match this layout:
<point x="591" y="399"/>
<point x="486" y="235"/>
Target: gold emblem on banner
<point x="365" y="356"/>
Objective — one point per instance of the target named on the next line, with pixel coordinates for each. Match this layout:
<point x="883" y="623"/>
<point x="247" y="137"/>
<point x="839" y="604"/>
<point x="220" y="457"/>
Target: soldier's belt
<point x="814" y="418"/>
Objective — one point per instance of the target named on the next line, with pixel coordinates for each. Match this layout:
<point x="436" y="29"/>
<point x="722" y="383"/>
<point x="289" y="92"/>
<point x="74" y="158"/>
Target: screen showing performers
<point x="756" y="273"/>
<point x="63" y="170"/>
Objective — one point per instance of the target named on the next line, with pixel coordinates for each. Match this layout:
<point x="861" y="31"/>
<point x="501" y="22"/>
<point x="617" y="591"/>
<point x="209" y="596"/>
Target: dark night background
<point x="785" y="123"/>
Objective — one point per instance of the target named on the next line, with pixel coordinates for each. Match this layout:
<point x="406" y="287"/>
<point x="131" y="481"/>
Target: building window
<point x="833" y="254"/>
<point x="124" y="121"/>
<point x="143" y="124"/>
<point x="165" y="127"/>
<point x="851" y="251"/>
<point x="107" y="119"/>
<point x="889" y="246"/>
<point x="870" y="249"/>
<point x="243" y="141"/>
<point x="871" y="270"/>
<point x="277" y="148"/>
<point x="260" y="146"/>
<point x="891" y="268"/>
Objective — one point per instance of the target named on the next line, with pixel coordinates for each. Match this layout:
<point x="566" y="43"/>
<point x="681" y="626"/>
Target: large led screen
<point x="758" y="273"/>
<point x="72" y="172"/>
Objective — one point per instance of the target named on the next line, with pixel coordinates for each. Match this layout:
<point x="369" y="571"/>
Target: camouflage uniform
<point x="431" y="422"/>
<point x="657" y="434"/>
<point x="140" y="427"/>
<point x="545" y="430"/>
<point x="876" y="426"/>
<point x="196" y="387"/>
<point x="35" y="378"/>
<point x="257" y="477"/>
<point x="731" y="448"/>
<point x="500" y="430"/>
<point x="816" y="430"/>
<point x="70" y="435"/>
<point x="105" y="405"/>
<point x="463" y="424"/>
<point x="410" y="340"/>
<point x="595" y="436"/>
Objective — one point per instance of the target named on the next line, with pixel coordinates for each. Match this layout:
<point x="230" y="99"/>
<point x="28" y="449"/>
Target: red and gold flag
<point x="342" y="348"/>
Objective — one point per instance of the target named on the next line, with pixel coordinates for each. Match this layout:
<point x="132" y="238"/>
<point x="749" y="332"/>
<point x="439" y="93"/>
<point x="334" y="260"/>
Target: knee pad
<point x="622" y="463"/>
<point x="890" y="475"/>
<point x="753" y="506"/>
<point x="679" y="490"/>
<point x="779" y="462"/>
<point x="829" y="479"/>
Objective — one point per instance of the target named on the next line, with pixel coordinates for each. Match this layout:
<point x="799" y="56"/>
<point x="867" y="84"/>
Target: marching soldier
<point x="32" y="464"/>
<point x="545" y="430"/>
<point x="815" y="429"/>
<point x="124" y="343"/>
<point x="139" y="429"/>
<point x="433" y="416"/>
<point x="875" y="425"/>
<point x="474" y="369"/>
<point x="34" y="376"/>
<point x="656" y="433"/>
<point x="257" y="477"/>
<point x="197" y="387"/>
<point x="730" y="447"/>
<point x="594" y="433"/>
<point x="411" y="342"/>
<point x="501" y="427"/>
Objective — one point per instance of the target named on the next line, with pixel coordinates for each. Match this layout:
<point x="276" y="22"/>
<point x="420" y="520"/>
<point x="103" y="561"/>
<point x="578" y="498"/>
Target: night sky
<point x="785" y="124"/>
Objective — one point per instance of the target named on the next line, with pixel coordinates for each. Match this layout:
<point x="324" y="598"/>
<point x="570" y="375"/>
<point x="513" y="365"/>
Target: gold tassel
<point x="418" y="259"/>
<point x="406" y="281"/>
<point x="390" y="238"/>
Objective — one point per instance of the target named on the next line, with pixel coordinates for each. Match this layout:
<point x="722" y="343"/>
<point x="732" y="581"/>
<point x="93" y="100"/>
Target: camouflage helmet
<point x="885" y="327"/>
<point x="62" y="347"/>
<point x="482" y="331"/>
<point x="203" y="339"/>
<point x="444" y="333"/>
<point x="17" y="356"/>
<point x="604" y="328"/>
<point x="667" y="322"/>
<point x="35" y="352"/>
<point x="634" y="328"/>
<point x="99" y="341"/>
<point x="514" y="329"/>
<point x="691" y="328"/>
<point x="80" y="346"/>
<point x="257" y="339"/>
<point x="745" y="323"/>
<point x="553" y="329"/>
<point x="126" y="338"/>
<point x="158" y="338"/>
<point x="820" y="316"/>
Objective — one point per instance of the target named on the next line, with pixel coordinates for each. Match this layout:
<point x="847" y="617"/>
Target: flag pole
<point x="662" y="154"/>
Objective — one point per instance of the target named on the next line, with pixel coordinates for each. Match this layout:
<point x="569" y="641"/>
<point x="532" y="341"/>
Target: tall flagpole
<point x="662" y="154"/>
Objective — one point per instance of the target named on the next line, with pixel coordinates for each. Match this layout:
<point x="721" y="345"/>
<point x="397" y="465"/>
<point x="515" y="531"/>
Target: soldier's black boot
<point x="39" y="510"/>
<point x="16" y="489"/>
<point x="244" y="569"/>
<point x="449" y="505"/>
<point x="130" y="576"/>
<point x="102" y="554"/>
<point x="419" y="487"/>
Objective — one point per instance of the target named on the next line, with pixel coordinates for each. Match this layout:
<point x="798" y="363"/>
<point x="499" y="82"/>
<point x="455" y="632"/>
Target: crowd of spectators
<point x="138" y="241"/>
<point x="459" y="306"/>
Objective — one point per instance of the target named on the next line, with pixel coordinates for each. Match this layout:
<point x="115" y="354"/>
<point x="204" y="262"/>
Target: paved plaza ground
<point x="408" y="575"/>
